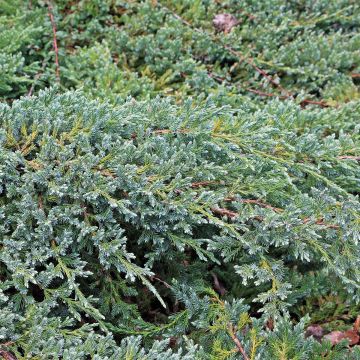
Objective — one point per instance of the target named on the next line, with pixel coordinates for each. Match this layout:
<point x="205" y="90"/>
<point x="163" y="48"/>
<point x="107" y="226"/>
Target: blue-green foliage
<point x="167" y="198"/>
<point x="94" y="197"/>
<point x="19" y="42"/>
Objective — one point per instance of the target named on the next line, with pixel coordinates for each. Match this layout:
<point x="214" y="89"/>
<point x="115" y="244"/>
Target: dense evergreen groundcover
<point x="172" y="191"/>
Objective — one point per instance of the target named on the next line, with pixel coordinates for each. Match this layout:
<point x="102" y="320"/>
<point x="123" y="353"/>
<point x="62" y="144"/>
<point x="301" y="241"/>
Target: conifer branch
<point x="232" y="333"/>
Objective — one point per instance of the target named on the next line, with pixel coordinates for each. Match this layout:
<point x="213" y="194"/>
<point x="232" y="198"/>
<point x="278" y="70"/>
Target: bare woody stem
<point x="232" y="333"/>
<point x="349" y="157"/>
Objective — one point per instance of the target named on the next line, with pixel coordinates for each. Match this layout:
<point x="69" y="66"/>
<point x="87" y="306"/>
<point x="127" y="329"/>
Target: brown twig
<point x="224" y="212"/>
<point x="169" y="131"/>
<point x="250" y="61"/>
<point x="349" y="157"/>
<point x="262" y="204"/>
<point x="256" y="202"/>
<point x="217" y="78"/>
<point x="108" y="173"/>
<point x="85" y="213"/>
<point x="56" y="49"/>
<point x="232" y="333"/>
<point x="322" y="223"/>
<point x="195" y="185"/>
<point x="162" y="281"/>
<point x="313" y="102"/>
<point x="40" y="202"/>
<point x="232" y="214"/>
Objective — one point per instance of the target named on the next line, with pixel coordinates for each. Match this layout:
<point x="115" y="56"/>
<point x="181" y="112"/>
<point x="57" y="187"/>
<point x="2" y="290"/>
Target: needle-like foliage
<point x="197" y="198"/>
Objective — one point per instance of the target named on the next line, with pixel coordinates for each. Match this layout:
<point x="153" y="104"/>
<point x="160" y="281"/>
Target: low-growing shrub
<point x="198" y="198"/>
<point x="117" y="220"/>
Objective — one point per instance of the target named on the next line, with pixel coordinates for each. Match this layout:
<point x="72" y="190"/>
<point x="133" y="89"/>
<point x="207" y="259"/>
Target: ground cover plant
<point x="179" y="179"/>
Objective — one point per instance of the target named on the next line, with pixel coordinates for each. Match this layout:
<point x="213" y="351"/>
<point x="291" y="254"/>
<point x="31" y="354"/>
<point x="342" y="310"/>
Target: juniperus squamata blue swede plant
<point x="97" y="201"/>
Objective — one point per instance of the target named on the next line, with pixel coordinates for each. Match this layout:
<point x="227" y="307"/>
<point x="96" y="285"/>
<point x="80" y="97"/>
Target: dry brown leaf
<point x="314" y="330"/>
<point x="336" y="336"/>
<point x="270" y="324"/>
<point x="6" y="355"/>
<point x="353" y="336"/>
<point x="224" y="22"/>
<point x="357" y="324"/>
